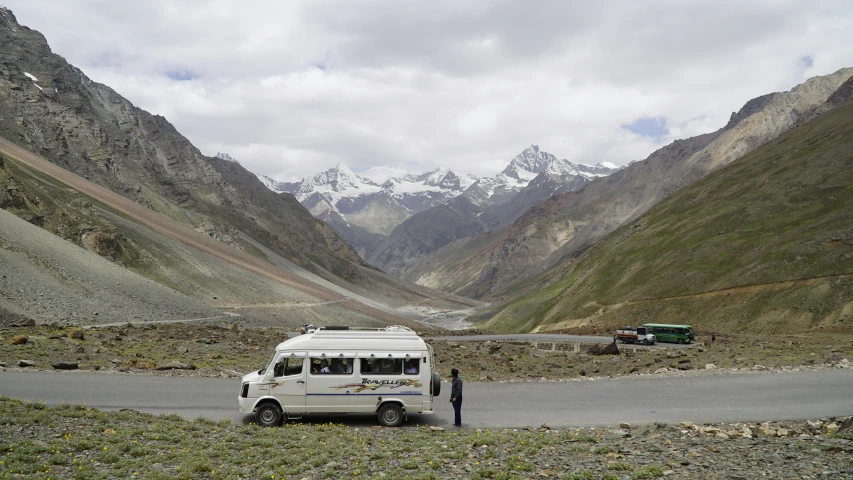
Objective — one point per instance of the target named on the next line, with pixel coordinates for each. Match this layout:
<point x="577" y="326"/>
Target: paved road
<point x="720" y="397"/>
<point x="550" y="337"/>
<point x="541" y="337"/>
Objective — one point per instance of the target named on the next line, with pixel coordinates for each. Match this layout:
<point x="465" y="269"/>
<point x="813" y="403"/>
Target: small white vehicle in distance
<point x="388" y="371"/>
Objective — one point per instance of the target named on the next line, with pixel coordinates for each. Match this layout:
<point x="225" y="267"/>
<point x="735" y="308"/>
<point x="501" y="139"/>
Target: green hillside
<point x="763" y="245"/>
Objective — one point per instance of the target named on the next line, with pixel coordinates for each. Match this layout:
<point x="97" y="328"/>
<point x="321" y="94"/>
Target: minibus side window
<point x="278" y="369"/>
<point x="333" y="366"/>
<point x="294" y="366"/>
<point x="412" y="366"/>
<point x="382" y="366"/>
<point x="369" y="365"/>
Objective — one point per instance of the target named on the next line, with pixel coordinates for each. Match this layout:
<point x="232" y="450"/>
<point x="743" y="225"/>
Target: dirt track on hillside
<point x="184" y="234"/>
<point x="739" y="290"/>
<point x="755" y="288"/>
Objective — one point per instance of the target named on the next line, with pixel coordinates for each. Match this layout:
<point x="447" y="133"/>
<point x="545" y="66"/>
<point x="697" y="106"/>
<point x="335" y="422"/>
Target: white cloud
<point x="387" y="87"/>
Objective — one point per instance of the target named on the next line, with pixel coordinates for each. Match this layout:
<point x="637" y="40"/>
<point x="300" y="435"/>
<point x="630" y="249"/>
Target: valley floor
<point x="221" y="348"/>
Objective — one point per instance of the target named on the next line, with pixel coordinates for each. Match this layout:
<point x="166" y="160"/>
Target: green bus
<point x="671" y="333"/>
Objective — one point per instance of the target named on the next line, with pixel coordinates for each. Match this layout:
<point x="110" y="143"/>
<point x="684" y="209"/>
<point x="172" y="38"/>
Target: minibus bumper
<point x="247" y="405"/>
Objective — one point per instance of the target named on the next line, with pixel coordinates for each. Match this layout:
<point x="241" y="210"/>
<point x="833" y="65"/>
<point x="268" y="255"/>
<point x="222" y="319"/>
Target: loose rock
<point x="66" y="365"/>
<point x="175" y="365"/>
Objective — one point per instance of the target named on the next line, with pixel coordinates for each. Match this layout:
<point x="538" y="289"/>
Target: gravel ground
<point x="242" y="344"/>
<point x="74" y="284"/>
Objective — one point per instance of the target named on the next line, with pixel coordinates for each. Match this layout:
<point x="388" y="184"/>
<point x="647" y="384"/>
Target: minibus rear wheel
<point x="268" y="415"/>
<point x="390" y="415"/>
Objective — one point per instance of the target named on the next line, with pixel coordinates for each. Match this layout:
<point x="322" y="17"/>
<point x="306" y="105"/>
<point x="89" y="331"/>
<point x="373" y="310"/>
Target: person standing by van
<point x="456" y="397"/>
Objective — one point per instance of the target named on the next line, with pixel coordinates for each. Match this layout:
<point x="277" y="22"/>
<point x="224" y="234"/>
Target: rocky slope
<point x="76" y="285"/>
<point x="760" y="245"/>
<point x="488" y="204"/>
<point x="51" y="108"/>
<point x="565" y="225"/>
<point x="191" y="267"/>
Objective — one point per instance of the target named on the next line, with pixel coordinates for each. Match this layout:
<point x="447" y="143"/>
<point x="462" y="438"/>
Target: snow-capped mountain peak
<point x="226" y="157"/>
<point x="529" y="163"/>
<point x="335" y="183"/>
<point x="267" y="181"/>
<point x="441" y="180"/>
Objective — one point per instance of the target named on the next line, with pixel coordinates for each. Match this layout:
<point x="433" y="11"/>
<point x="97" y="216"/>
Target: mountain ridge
<point x="365" y="212"/>
<point x="759" y="243"/>
<point x="568" y="224"/>
<point x="488" y="204"/>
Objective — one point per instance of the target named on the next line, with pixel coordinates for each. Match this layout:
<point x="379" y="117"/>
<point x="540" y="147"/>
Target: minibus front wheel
<point x="268" y="415"/>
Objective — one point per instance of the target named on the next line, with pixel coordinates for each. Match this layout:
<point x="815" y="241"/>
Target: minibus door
<point x="288" y="382"/>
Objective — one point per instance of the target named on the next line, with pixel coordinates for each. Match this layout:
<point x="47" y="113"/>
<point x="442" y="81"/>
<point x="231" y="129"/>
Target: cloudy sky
<point x="290" y="88"/>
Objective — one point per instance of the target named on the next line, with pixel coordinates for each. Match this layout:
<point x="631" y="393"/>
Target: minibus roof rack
<point x="390" y="328"/>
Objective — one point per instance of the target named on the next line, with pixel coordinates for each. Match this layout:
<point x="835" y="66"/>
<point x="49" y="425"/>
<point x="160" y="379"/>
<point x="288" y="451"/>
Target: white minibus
<point x="388" y="371"/>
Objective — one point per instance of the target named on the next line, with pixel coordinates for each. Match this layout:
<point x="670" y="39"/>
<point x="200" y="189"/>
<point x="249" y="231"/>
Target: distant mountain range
<point x="488" y="204"/>
<point x="365" y="212"/>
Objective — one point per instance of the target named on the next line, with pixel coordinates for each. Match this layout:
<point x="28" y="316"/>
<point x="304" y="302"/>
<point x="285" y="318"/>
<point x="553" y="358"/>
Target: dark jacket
<point x="456" y="388"/>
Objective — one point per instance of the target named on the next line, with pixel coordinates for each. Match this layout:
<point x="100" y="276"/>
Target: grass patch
<point x="648" y="471"/>
<point x="87" y="443"/>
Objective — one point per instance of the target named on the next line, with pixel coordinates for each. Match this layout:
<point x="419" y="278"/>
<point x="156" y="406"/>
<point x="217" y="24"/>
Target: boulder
<point x="76" y="334"/>
<point x="599" y="349"/>
<point x="834" y="359"/>
<point x="26" y="363"/>
<point x="176" y="365"/>
<point x="65" y="365"/>
<point x="616" y="434"/>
